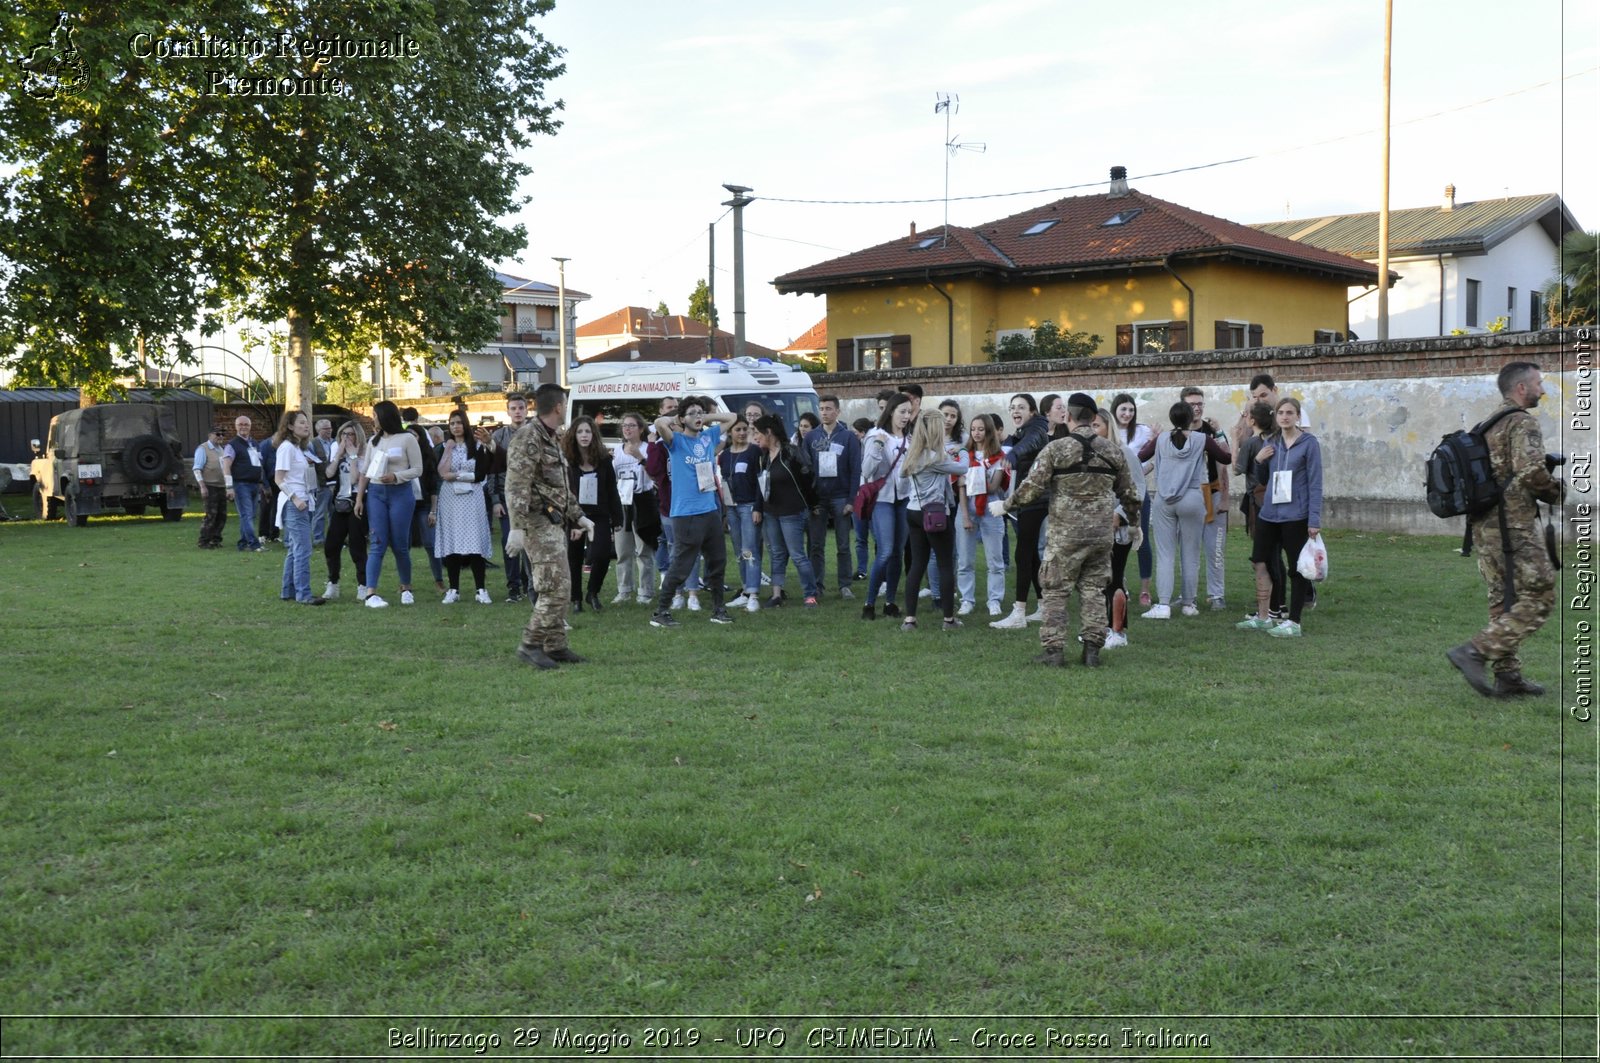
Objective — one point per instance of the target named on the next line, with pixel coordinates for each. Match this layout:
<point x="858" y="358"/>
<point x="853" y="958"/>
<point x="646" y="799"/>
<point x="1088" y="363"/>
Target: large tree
<point x="369" y="216"/>
<point x="346" y="178"/>
<point x="95" y="260"/>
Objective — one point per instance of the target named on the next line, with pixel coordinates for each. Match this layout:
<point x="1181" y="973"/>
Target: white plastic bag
<point x="1313" y="563"/>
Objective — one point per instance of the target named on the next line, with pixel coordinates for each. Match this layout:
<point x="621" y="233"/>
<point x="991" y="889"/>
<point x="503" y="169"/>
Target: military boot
<point x="1513" y="685"/>
<point x="1091" y="656"/>
<point x="1052" y="658"/>
<point x="1470" y="663"/>
<point x="564" y="656"/>
<point x="535" y="656"/>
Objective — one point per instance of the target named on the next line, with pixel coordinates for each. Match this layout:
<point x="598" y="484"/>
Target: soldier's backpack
<point x="1460" y="482"/>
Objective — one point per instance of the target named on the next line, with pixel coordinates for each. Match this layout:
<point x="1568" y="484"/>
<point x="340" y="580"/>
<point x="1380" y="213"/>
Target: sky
<point x="666" y="102"/>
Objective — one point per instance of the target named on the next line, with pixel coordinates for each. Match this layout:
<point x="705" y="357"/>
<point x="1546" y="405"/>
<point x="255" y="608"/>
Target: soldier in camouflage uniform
<point x="1085" y="477"/>
<point x="544" y="517"/>
<point x="1517" y="455"/>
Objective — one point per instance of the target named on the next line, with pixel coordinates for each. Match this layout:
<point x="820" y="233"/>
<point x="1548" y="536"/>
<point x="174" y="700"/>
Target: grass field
<point x="220" y="805"/>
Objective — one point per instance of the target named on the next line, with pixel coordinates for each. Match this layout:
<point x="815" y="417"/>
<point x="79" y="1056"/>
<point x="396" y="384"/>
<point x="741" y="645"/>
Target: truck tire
<point x="147" y="458"/>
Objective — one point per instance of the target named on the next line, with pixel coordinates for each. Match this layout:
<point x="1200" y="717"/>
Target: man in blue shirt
<point x="835" y="455"/>
<point x="696" y="513"/>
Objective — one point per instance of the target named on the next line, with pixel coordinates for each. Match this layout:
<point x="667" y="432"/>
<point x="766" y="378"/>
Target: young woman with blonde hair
<point x="930" y="503"/>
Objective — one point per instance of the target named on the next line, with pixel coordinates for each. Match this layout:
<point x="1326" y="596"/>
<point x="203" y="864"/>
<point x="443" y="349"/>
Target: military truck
<point x="117" y="456"/>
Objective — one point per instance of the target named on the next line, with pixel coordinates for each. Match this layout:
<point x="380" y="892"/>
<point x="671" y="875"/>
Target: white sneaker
<point x="994" y="608"/>
<point x="1189" y="609"/>
<point x="482" y="597"/>
<point x="621" y="598"/>
<point x="677" y="601"/>
<point x="450" y="598"/>
<point x="883" y="590"/>
<point x="374" y="602"/>
<point x="966" y="607"/>
<point x="738" y="603"/>
<point x="407" y="598"/>
<point x="1115" y="639"/>
<point x="363" y="592"/>
<point x="1037" y="616"/>
<point x="1015" y="622"/>
<point x="646" y="599"/>
<point x="766" y="579"/>
<point x="694" y="602"/>
<point x="331" y="591"/>
<point x="1158" y="612"/>
<point x="926" y="592"/>
<point x="752" y="604"/>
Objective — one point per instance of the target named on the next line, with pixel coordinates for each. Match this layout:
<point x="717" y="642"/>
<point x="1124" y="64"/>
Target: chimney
<point x="913" y="230"/>
<point x="1449" y="198"/>
<point x="1119" y="182"/>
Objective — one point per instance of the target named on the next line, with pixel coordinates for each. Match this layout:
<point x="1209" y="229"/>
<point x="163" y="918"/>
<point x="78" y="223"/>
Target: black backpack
<point x="1460" y="482"/>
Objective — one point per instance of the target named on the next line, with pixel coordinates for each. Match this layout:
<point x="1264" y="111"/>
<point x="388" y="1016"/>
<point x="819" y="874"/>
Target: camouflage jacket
<point x="536" y="476"/>
<point x="1085" y="477"/>
<point x="1516" y="451"/>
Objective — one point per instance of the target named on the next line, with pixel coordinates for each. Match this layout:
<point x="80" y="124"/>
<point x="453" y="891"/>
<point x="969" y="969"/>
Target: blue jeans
<point x="664" y="557"/>
<point x="389" y="508"/>
<point x="297" y="559"/>
<point x="989" y="530"/>
<point x="423" y="535"/>
<point x="516" y="567"/>
<point x="889" y="537"/>
<point x="319" y="515"/>
<point x="747" y="546"/>
<point x="246" y="497"/>
<point x="787" y="538"/>
<point x="862" y="527"/>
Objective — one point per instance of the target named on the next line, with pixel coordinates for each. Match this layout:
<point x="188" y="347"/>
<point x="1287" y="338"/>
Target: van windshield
<point x="607" y="413"/>
<point x="788" y="405"/>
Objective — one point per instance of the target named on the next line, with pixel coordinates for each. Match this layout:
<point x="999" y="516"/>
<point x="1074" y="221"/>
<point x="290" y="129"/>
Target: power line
<point x="1181" y="169"/>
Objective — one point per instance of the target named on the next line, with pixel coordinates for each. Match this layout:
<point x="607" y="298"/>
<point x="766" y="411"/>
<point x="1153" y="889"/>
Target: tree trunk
<point x="300" y="371"/>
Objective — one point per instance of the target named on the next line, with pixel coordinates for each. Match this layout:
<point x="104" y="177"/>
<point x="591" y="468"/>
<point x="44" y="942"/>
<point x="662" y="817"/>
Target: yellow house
<point x="1144" y="274"/>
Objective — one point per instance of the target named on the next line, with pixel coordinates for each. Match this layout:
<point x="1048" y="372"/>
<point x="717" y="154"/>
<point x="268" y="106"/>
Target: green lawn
<point x="218" y="804"/>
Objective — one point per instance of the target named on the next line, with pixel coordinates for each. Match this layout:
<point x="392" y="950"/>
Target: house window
<point x="1472" y="302"/>
<point x="883" y="352"/>
<point x="1232" y="335"/>
<point x="1039" y="226"/>
<point x="1511" y="303"/>
<point x="526" y="322"/>
<point x="1122" y="217"/>
<point x="1535" y="311"/>
<point x="1152" y="337"/>
<point x="1327" y="335"/>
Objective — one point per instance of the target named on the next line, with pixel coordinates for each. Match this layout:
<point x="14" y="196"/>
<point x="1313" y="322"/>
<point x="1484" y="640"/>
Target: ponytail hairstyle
<point x="1181" y="417"/>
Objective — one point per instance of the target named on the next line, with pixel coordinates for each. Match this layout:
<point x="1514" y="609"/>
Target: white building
<point x="1461" y="265"/>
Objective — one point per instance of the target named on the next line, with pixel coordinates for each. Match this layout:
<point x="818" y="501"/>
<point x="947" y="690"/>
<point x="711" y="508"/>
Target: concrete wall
<point x="1378" y="409"/>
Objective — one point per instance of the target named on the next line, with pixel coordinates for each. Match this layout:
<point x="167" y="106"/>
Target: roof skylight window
<point x="926" y="242"/>
<point x="1122" y="217"/>
<point x="1039" y="226"/>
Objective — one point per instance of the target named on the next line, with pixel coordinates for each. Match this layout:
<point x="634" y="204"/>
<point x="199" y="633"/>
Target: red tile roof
<point x="1080" y="241"/>
<point x="814" y="338"/>
<point x="637" y="321"/>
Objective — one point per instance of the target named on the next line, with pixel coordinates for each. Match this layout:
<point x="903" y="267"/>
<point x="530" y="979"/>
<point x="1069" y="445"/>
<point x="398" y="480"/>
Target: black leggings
<point x="1119" y="566"/>
<point x="596" y="552"/>
<point x="942" y="544"/>
<point x="346" y="528"/>
<point x="1274" y="543"/>
<point x="453" y="563"/>
<point x="1030" y="522"/>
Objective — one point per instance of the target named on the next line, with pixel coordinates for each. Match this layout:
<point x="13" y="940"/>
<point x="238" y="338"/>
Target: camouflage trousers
<point x="546" y="544"/>
<point x="1087" y="567"/>
<point x="1535" y="586"/>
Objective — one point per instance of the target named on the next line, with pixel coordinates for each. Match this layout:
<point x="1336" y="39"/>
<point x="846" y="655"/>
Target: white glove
<point x="587" y="525"/>
<point x="997" y="507"/>
<point x="515" y="542"/>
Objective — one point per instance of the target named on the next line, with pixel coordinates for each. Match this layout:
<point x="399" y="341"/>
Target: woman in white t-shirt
<point x="295" y="476"/>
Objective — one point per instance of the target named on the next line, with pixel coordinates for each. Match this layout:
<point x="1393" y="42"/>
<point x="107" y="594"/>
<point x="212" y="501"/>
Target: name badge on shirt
<point x="255" y="457"/>
<point x="977" y="480"/>
<point x="1283" y="486"/>
<point x="705" y="477"/>
<point x="625" y="484"/>
<point x="827" y="464"/>
<point x="589" y="489"/>
<point x="741" y="467"/>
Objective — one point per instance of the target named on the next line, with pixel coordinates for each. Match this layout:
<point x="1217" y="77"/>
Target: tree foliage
<point x="1047" y="341"/>
<point x="700" y="306"/>
<point x="364" y="214"/>
<point x="1571" y="298"/>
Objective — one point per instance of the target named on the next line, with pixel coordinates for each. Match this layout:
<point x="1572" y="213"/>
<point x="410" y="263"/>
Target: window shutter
<point x="1178" y="336"/>
<point x="900" y="352"/>
<point x="844" y="359"/>
<point x="1124" y="339"/>
<point x="1224" y="336"/>
<point x="1256" y="333"/>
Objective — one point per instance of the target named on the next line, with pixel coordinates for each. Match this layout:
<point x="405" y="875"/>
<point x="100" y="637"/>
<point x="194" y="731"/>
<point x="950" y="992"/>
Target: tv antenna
<point x="950" y="103"/>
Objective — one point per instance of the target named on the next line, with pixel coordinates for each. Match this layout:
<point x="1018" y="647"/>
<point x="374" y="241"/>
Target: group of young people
<point x="742" y="477"/>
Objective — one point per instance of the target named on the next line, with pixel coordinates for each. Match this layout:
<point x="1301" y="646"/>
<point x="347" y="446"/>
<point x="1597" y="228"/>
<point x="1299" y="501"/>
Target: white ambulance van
<point x="607" y="390"/>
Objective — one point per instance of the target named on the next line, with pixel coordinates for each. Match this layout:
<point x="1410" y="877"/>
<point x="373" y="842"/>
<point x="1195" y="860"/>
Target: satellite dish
<point x="538" y="361"/>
